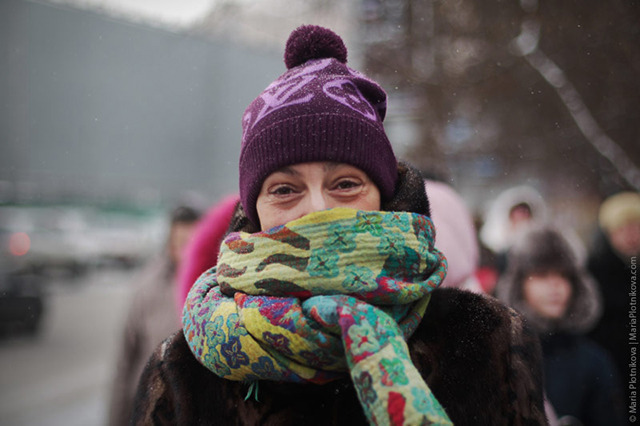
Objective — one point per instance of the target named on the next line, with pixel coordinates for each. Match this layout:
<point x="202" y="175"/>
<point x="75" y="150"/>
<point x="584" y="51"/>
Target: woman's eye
<point x="281" y="190"/>
<point x="348" y="184"/>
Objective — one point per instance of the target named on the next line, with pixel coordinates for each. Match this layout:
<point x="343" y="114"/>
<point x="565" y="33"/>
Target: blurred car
<point x="71" y="240"/>
<point x="22" y="301"/>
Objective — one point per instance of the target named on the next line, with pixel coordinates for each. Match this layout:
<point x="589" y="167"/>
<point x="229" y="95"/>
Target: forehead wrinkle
<point x="290" y="170"/>
<point x="330" y="165"/>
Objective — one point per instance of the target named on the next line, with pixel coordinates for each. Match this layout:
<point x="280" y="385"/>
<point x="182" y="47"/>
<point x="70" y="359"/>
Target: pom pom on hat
<point x="313" y="42"/>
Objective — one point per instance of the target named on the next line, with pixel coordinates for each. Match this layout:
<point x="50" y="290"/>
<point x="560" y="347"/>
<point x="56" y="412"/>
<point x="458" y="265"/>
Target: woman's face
<point x="626" y="239"/>
<point x="295" y="191"/>
<point x="548" y="294"/>
<point x="179" y="236"/>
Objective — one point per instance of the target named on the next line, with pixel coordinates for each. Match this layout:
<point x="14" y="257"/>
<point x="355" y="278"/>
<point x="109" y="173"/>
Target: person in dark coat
<point x="612" y="262"/>
<point x="324" y="306"/>
<point x="544" y="281"/>
<point x="151" y="315"/>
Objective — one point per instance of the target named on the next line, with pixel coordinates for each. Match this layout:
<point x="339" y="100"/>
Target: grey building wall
<point x="94" y="107"/>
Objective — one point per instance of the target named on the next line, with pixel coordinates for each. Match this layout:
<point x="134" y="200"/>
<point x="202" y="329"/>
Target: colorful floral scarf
<point x="333" y="292"/>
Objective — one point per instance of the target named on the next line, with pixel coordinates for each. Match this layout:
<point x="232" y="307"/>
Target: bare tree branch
<point x="526" y="46"/>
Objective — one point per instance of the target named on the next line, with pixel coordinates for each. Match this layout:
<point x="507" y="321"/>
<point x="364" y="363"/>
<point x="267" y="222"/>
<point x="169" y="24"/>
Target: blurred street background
<point x="61" y="375"/>
<point x="112" y="112"/>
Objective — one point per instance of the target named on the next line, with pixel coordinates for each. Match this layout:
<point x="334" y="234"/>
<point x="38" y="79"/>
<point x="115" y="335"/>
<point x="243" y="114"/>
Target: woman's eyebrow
<point x="288" y="171"/>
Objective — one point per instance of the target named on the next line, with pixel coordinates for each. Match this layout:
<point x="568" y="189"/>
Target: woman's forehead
<point x="327" y="166"/>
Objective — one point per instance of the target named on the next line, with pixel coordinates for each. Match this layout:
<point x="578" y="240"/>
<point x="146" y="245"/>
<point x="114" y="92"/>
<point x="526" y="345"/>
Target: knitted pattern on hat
<point x="319" y="110"/>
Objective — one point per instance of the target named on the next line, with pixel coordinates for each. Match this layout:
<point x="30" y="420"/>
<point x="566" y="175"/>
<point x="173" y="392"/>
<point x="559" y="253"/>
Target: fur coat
<point x="480" y="359"/>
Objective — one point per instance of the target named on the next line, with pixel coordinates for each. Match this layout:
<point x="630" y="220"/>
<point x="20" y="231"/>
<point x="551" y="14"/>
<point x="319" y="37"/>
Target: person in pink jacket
<point x="456" y="236"/>
<point x="202" y="251"/>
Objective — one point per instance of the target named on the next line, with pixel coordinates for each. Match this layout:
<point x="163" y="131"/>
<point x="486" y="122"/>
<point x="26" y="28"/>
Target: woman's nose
<point x="316" y="201"/>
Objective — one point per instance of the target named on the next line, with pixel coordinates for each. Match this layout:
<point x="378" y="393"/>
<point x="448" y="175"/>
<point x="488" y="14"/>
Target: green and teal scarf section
<point x="333" y="292"/>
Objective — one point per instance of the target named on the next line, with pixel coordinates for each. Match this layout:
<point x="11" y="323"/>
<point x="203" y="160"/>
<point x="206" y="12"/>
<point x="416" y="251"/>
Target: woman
<point x="202" y="250"/>
<point x="322" y="308"/>
<point x="457" y="236"/>
<point x="508" y="216"/>
<point x="611" y="260"/>
<point x="545" y="282"/>
<point x="151" y="314"/>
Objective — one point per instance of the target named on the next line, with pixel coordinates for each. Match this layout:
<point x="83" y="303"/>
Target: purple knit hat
<point x="319" y="110"/>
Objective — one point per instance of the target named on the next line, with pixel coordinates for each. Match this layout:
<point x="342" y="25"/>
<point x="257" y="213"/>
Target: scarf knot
<point x="334" y="292"/>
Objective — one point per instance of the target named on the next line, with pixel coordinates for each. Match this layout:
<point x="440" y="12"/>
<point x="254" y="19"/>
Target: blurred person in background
<point x="456" y="236"/>
<point x="545" y="282"/>
<point x="508" y="216"/>
<point x="615" y="248"/>
<point x="324" y="307"/>
<point x="201" y="253"/>
<point x="152" y="314"/>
